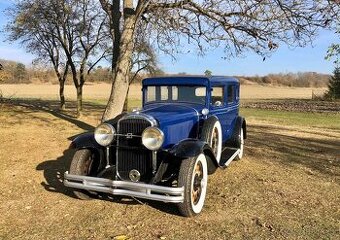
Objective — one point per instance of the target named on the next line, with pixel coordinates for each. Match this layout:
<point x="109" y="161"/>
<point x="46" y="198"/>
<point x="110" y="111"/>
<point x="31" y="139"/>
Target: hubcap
<point x="198" y="183"/>
<point x="87" y="166"/>
<point x="214" y="141"/>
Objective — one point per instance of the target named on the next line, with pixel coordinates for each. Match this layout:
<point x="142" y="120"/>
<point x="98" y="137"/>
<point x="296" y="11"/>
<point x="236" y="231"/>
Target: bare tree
<point x="37" y="37"/>
<point x="71" y="32"/>
<point x="238" y="26"/>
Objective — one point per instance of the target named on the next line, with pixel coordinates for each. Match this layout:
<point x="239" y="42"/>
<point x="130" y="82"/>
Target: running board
<point x="228" y="155"/>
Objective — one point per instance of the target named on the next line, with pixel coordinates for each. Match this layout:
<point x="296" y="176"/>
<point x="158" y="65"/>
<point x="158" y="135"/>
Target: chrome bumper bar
<point x="123" y="188"/>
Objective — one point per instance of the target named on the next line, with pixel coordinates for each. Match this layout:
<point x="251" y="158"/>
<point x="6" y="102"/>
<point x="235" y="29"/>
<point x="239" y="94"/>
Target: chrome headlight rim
<point x="155" y="144"/>
<point x="104" y="134"/>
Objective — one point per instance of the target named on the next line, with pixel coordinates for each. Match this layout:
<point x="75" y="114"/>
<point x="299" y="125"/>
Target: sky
<point x="283" y="60"/>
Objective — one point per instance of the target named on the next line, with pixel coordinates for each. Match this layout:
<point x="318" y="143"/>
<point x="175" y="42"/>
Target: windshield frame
<point x="145" y="92"/>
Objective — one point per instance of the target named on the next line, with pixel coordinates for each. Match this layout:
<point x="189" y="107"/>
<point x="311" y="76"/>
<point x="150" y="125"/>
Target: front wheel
<point x="82" y="164"/>
<point x="193" y="175"/>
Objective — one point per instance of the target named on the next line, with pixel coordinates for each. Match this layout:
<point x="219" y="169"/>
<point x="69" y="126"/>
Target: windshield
<point x="192" y="94"/>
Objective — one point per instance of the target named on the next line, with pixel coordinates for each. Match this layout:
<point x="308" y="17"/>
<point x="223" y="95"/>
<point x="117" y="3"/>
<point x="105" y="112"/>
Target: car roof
<point x="190" y="80"/>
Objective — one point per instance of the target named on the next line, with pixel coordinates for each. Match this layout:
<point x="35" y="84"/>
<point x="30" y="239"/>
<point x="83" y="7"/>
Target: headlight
<point x="104" y="134"/>
<point x="152" y="138"/>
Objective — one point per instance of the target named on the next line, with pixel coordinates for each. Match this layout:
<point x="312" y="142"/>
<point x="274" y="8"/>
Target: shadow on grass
<point x="316" y="154"/>
<point x="54" y="170"/>
<point x="52" y="107"/>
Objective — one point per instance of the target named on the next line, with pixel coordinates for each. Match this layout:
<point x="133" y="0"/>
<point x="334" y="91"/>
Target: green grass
<point x="293" y="118"/>
<point x="285" y="187"/>
<point x="322" y="120"/>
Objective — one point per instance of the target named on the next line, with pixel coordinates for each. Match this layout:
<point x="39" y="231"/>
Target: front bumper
<point x="124" y="188"/>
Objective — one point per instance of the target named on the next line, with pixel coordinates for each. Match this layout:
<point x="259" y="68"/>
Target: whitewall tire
<point x="241" y="140"/>
<point x="212" y="134"/>
<point x="193" y="175"/>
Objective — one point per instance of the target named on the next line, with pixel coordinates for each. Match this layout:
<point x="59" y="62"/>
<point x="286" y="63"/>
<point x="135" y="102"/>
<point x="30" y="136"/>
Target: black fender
<point x="192" y="148"/>
<point x="234" y="139"/>
<point x="243" y="123"/>
<point x="85" y="140"/>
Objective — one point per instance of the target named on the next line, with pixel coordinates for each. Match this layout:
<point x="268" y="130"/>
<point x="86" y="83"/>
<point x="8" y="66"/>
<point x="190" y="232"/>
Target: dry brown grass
<point x="102" y="91"/>
<point x="286" y="187"/>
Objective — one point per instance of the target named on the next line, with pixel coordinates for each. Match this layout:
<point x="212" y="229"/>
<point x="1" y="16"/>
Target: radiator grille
<point x="131" y="153"/>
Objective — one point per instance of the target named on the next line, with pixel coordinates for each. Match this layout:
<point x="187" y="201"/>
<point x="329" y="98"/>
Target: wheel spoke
<point x="197" y="183"/>
<point x="214" y="141"/>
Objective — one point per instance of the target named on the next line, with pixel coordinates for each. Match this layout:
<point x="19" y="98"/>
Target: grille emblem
<point x="129" y="135"/>
<point x="134" y="175"/>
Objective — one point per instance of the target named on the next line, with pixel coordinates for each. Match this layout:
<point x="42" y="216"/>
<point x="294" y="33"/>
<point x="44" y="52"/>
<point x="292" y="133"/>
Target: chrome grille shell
<point x="130" y="152"/>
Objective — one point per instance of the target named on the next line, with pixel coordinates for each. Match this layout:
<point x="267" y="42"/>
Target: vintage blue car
<point x="187" y="128"/>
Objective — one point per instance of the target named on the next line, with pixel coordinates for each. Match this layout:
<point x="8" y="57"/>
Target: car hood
<point x="177" y="121"/>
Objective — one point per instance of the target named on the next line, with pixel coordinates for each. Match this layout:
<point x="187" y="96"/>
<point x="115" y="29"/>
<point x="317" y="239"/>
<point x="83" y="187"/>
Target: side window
<point x="174" y="91"/>
<point x="231" y="93"/>
<point x="217" y="96"/>
<point x="164" y="93"/>
<point x="151" y="94"/>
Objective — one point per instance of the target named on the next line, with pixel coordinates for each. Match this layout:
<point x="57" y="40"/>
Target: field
<point x="286" y="187"/>
<point x="102" y="91"/>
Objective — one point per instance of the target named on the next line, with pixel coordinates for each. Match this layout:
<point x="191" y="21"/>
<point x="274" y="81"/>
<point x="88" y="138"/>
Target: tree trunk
<point x="79" y="87"/>
<point x="126" y="102"/>
<point x="79" y="100"/>
<point x="61" y="80"/>
<point x="121" y="77"/>
<point x="115" y="32"/>
<point x="61" y="94"/>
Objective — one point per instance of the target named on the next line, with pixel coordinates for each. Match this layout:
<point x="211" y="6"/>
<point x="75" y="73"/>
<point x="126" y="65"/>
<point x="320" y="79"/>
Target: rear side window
<point x="217" y="96"/>
<point x="231" y="94"/>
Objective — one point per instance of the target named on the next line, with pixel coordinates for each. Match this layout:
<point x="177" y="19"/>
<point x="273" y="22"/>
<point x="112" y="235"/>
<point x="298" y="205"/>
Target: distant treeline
<point x="14" y="73"/>
<point x="300" y="79"/>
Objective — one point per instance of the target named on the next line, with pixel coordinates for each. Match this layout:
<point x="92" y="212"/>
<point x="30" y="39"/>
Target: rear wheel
<point x="193" y="175"/>
<point x="212" y="134"/>
<point x="241" y="148"/>
<point x="83" y="164"/>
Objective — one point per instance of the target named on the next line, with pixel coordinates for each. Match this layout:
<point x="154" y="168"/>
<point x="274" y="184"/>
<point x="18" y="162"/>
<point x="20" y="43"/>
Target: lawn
<point x="286" y="187"/>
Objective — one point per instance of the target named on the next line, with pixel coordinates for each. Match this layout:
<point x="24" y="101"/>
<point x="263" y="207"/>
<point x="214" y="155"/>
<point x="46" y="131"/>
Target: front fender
<point x="85" y="140"/>
<point x="192" y="148"/>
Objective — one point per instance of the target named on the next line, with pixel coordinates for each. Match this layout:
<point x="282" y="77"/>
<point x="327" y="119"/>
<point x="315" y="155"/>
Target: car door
<point x="232" y="106"/>
<point x="219" y="107"/>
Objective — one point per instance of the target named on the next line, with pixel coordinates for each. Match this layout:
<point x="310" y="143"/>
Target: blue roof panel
<point x="189" y="80"/>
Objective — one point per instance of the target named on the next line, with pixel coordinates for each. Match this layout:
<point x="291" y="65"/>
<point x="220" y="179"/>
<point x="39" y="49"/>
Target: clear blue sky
<point x="310" y="58"/>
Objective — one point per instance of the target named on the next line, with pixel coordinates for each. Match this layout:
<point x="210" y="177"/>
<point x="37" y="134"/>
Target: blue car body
<point x="186" y="116"/>
<point x="192" y="115"/>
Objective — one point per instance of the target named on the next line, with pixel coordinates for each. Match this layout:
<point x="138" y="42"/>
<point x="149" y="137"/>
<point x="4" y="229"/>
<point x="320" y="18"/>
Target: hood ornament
<point x="136" y="110"/>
